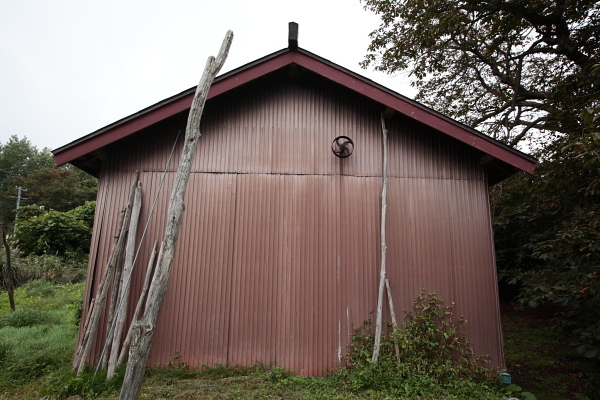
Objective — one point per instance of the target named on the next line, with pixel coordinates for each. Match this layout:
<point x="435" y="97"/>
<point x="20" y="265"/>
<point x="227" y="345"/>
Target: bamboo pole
<point x="143" y="331"/>
<point x="379" y="322"/>
<point x="87" y="340"/>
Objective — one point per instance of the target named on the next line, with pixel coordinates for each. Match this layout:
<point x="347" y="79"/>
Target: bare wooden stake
<point x="379" y="322"/>
<point x="140" y="305"/>
<point x="143" y="331"/>
<point x="87" y="340"/>
<point x="394" y="323"/>
<point x="121" y="312"/>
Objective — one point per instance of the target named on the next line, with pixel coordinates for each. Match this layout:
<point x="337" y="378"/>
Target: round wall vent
<point x="342" y="146"/>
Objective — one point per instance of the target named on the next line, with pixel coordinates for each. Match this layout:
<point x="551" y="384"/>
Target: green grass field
<point x="37" y="343"/>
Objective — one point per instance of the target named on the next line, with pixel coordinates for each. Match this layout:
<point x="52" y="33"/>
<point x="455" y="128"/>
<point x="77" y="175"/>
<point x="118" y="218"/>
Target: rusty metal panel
<point x="278" y="259"/>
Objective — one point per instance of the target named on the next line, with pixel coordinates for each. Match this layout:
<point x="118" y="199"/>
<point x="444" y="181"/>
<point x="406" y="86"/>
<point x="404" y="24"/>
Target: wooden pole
<point x="114" y="296"/>
<point x="379" y="322"/>
<point x="143" y="331"/>
<point x="121" y="311"/>
<point x="88" y="337"/>
<point x="10" y="280"/>
<point x="138" y="308"/>
<point x="394" y="322"/>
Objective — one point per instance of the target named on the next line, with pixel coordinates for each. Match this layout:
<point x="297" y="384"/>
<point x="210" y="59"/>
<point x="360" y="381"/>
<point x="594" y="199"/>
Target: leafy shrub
<point x="24" y="318"/>
<point x="55" y="232"/>
<point x="435" y="358"/>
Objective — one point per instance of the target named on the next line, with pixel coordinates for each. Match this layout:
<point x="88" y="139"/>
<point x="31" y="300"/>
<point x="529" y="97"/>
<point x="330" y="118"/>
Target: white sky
<point x="70" y="67"/>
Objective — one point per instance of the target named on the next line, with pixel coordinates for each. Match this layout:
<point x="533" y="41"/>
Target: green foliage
<point x="18" y="158"/>
<point x="89" y="384"/>
<point x="60" y="189"/>
<point x="55" y="232"/>
<point x="38" y="339"/>
<point x="39" y="288"/>
<point x="436" y="360"/>
<point x="47" y="267"/>
<point x="36" y="350"/>
<point x="517" y="391"/>
<point x="547" y="236"/>
<point x="507" y="67"/>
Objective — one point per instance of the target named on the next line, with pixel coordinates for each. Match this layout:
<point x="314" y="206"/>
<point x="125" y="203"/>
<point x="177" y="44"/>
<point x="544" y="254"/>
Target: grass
<point x="36" y="346"/>
<point x="38" y="338"/>
<point x="540" y="361"/>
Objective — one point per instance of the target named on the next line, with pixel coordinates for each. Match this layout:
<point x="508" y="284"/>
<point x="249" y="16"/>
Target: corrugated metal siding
<point x="278" y="258"/>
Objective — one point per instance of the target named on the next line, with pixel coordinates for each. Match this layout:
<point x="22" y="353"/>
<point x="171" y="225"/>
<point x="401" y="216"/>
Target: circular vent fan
<point x="342" y="146"/>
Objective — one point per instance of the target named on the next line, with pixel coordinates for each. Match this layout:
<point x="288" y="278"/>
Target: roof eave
<point x="237" y="77"/>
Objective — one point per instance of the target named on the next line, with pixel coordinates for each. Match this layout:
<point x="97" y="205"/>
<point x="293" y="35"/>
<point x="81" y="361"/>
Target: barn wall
<point x="278" y="258"/>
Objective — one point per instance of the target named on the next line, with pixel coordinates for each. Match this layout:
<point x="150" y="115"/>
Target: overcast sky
<point x="70" y="67"/>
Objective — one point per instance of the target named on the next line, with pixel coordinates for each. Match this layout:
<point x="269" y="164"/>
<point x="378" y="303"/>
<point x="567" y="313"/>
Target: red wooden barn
<point x="279" y="254"/>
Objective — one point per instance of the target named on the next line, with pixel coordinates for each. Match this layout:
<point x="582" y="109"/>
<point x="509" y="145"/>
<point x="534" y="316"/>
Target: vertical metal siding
<point x="278" y="258"/>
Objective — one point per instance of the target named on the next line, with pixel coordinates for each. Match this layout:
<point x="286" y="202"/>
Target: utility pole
<point x="19" y="198"/>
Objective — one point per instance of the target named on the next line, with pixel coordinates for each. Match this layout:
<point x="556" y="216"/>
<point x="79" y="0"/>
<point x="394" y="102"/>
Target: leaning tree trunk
<point x="10" y="280"/>
<point x="143" y="332"/>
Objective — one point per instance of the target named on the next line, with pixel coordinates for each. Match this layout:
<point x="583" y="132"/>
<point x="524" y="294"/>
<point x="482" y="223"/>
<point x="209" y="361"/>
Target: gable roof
<point x="502" y="160"/>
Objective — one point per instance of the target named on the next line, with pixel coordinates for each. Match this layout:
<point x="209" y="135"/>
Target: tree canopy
<point x="507" y="67"/>
<point x="58" y="188"/>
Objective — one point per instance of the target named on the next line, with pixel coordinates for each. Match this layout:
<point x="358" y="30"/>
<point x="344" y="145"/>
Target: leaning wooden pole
<point x="145" y="328"/>
<point x="138" y="308"/>
<point x="394" y="322"/>
<point x="123" y="301"/>
<point x="87" y="340"/>
<point x="379" y="322"/>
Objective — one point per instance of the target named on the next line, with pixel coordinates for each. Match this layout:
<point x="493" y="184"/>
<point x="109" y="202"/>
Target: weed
<point x="436" y="360"/>
<point x="37" y="350"/>
<point x="25" y="318"/>
<point x="89" y="384"/>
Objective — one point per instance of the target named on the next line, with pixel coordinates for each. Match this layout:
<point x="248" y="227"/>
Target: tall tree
<point x="59" y="188"/>
<point x="507" y="67"/>
<point x="18" y="158"/>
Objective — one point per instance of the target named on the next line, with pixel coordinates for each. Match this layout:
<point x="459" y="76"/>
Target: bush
<point x="435" y="358"/>
<point x="55" y="232"/>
